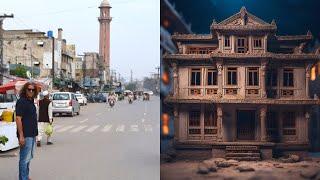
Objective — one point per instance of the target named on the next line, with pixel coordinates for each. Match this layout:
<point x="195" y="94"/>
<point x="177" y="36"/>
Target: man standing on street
<point x="45" y="117"/>
<point x="27" y="128"/>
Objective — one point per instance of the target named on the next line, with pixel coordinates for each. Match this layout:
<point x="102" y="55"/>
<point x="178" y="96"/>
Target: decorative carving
<point x="307" y="115"/>
<point x="219" y="67"/>
<point x="263" y="68"/>
<point x="180" y="47"/>
<point x="263" y="112"/>
<point x="299" y="49"/>
<point x="219" y="111"/>
<point x="308" y="69"/>
<point x="175" y="70"/>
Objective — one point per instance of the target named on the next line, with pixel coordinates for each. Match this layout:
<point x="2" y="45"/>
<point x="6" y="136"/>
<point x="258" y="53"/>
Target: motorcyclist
<point x="130" y="98"/>
<point x="111" y="99"/>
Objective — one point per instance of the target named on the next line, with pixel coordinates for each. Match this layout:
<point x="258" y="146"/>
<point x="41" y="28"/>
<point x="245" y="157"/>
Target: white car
<point x="81" y="99"/>
<point x="65" y="102"/>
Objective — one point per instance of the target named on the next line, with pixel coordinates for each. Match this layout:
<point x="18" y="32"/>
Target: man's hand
<point x="21" y="141"/>
<point x="51" y="121"/>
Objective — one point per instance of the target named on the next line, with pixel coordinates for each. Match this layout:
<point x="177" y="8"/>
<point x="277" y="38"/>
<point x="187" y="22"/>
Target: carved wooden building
<point x="242" y="89"/>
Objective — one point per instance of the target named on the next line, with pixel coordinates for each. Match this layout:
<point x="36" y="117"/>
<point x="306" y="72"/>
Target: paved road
<point x="101" y="143"/>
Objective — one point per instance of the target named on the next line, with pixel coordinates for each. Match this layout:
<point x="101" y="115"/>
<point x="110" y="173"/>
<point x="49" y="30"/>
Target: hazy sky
<point x="135" y="33"/>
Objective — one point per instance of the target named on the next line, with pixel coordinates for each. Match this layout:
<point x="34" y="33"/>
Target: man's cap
<point x="45" y="93"/>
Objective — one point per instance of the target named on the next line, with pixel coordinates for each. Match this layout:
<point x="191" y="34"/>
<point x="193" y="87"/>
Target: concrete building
<point x="92" y="68"/>
<point x="79" y="70"/>
<point x="31" y="49"/>
<point x="104" y="37"/>
<point x="242" y="89"/>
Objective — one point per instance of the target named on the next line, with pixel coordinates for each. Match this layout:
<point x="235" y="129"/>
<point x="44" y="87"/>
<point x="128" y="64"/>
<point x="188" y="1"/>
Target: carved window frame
<point x="245" y="46"/>
<point x="289" y="128"/>
<point x="233" y="69"/>
<point x="213" y="126"/>
<point x="258" y="41"/>
<point x="227" y="42"/>
<point x="252" y="70"/>
<point x="200" y="76"/>
<point x="288" y="71"/>
<point x="214" y="74"/>
<point x="192" y="126"/>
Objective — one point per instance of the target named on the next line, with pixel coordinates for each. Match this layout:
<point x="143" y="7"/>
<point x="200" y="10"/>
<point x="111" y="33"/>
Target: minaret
<point x="104" y="38"/>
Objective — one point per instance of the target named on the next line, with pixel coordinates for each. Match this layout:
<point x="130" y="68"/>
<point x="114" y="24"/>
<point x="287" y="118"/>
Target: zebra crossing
<point x="119" y="128"/>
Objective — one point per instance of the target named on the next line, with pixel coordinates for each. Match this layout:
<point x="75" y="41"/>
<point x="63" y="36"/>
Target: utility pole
<point x="158" y="75"/>
<point x="52" y="71"/>
<point x="2" y="17"/>
<point x="131" y="76"/>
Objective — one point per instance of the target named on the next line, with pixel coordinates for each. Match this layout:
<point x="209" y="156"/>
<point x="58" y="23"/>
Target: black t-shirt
<point x="27" y="110"/>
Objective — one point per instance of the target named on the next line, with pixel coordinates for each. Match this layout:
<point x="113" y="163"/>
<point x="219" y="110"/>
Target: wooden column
<point x="233" y="43"/>
<point x="176" y="122"/>
<point x="220" y="80"/>
<point x="202" y="120"/>
<point x="219" y="123"/>
<point x="307" y="116"/>
<point x="175" y="80"/>
<point x="308" y="69"/>
<point x="263" y="114"/>
<point x="280" y="124"/>
<point x="263" y="79"/>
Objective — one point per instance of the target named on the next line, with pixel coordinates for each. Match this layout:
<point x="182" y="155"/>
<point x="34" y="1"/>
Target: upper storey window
<point x="227" y="42"/>
<point x="257" y="43"/>
<point x="253" y="77"/>
<point x="212" y="77"/>
<point x="232" y="76"/>
<point x="242" y="45"/>
<point x="288" y="77"/>
<point x="195" y="77"/>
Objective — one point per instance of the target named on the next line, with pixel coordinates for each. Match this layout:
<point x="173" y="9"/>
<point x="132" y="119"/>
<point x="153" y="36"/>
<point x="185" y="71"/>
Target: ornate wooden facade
<point x="242" y="85"/>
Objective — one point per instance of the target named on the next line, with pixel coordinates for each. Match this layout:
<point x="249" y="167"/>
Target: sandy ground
<point x="272" y="169"/>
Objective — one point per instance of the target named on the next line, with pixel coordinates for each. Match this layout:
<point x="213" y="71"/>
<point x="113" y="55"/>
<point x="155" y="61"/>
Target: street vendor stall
<point x="8" y="98"/>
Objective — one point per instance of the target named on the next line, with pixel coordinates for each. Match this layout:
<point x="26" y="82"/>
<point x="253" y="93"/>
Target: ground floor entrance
<point x="246" y="124"/>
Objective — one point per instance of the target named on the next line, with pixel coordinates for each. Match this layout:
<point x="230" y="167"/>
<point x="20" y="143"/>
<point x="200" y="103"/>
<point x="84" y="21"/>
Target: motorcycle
<point x="130" y="100"/>
<point x="111" y="103"/>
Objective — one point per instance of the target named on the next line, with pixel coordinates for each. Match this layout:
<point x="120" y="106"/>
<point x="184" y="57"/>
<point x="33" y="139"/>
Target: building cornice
<point x="241" y="56"/>
<point x="202" y="99"/>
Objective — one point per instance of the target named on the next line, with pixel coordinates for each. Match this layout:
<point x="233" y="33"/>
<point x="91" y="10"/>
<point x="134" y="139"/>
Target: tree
<point x="19" y="71"/>
<point x="131" y="86"/>
<point x="150" y="83"/>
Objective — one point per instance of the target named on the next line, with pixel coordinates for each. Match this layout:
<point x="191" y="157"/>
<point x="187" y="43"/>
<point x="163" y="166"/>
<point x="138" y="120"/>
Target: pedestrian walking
<point x="27" y="128"/>
<point x="45" y="118"/>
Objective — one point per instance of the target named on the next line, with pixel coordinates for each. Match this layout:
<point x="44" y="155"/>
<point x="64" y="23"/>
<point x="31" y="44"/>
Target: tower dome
<point x="105" y="3"/>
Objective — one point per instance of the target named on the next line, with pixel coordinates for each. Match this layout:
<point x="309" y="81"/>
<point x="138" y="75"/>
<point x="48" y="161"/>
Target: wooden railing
<point x="252" y="92"/>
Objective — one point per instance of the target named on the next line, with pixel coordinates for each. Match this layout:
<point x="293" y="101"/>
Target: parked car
<point x="8" y="102"/>
<point x="100" y="97"/>
<point x="81" y="99"/>
<point x="65" y="102"/>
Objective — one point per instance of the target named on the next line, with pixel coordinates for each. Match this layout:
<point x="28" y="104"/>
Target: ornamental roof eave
<point x="217" y="27"/>
<point x="191" y="37"/>
<point x="294" y="37"/>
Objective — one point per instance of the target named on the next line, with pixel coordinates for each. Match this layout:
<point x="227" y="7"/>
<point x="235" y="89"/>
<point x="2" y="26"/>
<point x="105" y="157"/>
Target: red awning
<point x="15" y="86"/>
